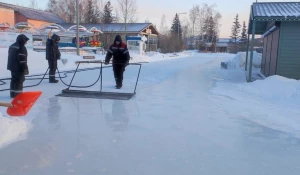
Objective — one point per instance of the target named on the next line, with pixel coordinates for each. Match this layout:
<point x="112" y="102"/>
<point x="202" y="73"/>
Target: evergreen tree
<point x="176" y="27"/>
<point x="209" y="30"/>
<point x="107" y="14"/>
<point x="91" y="16"/>
<point x="235" y="30"/>
<point x="244" y="34"/>
<point x="97" y="12"/>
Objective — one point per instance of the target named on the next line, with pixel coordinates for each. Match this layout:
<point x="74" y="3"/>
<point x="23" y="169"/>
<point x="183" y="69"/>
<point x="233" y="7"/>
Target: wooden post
<point x="247" y="52"/>
<point x="251" y="55"/>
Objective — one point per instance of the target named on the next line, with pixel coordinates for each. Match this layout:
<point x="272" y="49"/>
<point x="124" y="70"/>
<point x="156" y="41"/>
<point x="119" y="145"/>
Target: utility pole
<point x="77" y="28"/>
<point x="126" y="17"/>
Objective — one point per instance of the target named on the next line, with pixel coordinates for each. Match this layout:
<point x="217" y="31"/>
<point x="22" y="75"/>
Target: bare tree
<point x="194" y="15"/>
<point x="33" y="4"/>
<point x="52" y="6"/>
<point x="163" y="29"/>
<point x="217" y="19"/>
<point x="66" y="9"/>
<point x="127" y="11"/>
<point x="205" y="12"/>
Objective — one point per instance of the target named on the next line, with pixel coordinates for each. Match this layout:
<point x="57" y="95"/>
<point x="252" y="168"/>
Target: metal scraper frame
<point x="99" y="94"/>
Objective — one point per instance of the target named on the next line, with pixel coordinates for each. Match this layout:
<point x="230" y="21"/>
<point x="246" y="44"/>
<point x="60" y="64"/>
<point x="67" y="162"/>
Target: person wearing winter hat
<point x="52" y="55"/>
<point x="118" y="50"/>
<point x="17" y="64"/>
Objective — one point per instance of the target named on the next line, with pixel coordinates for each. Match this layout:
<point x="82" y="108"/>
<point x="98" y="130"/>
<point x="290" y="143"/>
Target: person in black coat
<point x="52" y="55"/>
<point x="118" y="50"/>
<point x="17" y="64"/>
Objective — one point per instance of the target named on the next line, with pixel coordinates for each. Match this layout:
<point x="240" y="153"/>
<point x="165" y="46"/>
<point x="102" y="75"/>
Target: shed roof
<point x="276" y="10"/>
<point x="117" y="27"/>
<point x="217" y="44"/>
<point x="34" y="14"/>
<point x="265" y="12"/>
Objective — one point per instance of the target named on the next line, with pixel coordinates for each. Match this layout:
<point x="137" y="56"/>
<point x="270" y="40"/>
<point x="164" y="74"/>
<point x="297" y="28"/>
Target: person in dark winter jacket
<point x="118" y="50"/>
<point x="52" y="55"/>
<point x="17" y="64"/>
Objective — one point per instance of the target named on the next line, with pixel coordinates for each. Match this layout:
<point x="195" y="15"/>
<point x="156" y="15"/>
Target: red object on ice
<point x="22" y="103"/>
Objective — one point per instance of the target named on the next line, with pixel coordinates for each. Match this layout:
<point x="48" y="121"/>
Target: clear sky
<point x="154" y="9"/>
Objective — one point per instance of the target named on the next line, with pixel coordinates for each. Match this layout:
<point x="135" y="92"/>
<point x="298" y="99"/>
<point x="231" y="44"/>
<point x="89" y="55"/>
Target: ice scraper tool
<point x="22" y="103"/>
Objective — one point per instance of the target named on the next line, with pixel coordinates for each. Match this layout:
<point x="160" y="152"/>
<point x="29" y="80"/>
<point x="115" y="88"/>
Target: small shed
<point x="136" y="44"/>
<point x="279" y="25"/>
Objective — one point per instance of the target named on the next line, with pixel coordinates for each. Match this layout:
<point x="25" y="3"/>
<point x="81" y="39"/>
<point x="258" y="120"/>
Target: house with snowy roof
<point x="132" y="29"/>
<point x="222" y="45"/>
<point x="279" y="25"/>
<point x="13" y="14"/>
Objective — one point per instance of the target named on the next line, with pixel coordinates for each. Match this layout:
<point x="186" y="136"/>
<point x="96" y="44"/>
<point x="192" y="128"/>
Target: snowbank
<point x="272" y="102"/>
<point x="275" y="87"/>
<point x="239" y="60"/>
<point x="12" y="130"/>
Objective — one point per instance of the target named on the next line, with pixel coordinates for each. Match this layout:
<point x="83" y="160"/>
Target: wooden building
<point x="13" y="14"/>
<point x="279" y="25"/>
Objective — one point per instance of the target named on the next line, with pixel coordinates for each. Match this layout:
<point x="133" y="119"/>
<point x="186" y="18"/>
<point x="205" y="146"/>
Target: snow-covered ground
<point x="189" y="116"/>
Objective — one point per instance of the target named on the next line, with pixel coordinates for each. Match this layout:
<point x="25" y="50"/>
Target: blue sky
<point x="154" y="9"/>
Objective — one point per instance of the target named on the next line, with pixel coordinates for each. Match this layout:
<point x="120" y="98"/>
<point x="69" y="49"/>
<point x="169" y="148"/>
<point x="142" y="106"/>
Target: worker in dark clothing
<point x="52" y="55"/>
<point x="118" y="50"/>
<point x="17" y="64"/>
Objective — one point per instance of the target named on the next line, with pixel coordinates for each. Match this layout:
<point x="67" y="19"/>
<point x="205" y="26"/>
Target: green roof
<point x="265" y="12"/>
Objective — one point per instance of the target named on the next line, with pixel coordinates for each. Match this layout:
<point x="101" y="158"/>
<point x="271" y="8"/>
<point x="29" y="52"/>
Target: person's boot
<point x="119" y="83"/>
<point x="118" y="86"/>
<point x="16" y="93"/>
<point x="12" y="95"/>
<point x="12" y="88"/>
<point x="52" y="80"/>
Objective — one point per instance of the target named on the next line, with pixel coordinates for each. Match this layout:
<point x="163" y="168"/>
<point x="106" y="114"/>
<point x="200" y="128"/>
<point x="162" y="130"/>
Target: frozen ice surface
<point x="188" y="117"/>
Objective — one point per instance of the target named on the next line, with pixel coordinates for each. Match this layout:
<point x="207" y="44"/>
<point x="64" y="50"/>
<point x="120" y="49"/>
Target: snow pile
<point x="12" y="130"/>
<point x="274" y="88"/>
<point x="272" y="102"/>
<point x="239" y="60"/>
<point x="155" y="56"/>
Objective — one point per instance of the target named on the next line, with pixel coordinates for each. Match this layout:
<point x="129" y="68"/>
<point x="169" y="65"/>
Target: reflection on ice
<point x="118" y="119"/>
